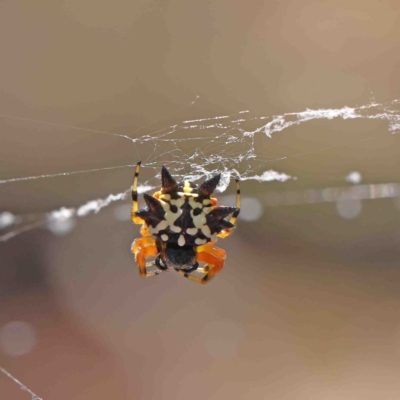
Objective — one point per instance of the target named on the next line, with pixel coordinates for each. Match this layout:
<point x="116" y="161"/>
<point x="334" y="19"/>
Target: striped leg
<point x="227" y="232"/>
<point x="135" y="205"/>
<point x="143" y="248"/>
<point x="214" y="257"/>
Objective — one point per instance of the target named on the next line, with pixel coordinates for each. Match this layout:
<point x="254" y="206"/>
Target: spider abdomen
<point x="184" y="221"/>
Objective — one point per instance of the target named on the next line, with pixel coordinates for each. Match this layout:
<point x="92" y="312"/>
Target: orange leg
<point x="213" y="257"/>
<point x="144" y="231"/>
<point x="143" y="248"/>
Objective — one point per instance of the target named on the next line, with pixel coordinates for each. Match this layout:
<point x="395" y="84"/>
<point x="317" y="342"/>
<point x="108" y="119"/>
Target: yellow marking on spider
<point x="188" y="194"/>
<point x="187" y="188"/>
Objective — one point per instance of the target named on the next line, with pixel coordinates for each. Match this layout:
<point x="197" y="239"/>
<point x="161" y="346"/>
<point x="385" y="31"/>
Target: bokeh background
<point x="307" y="306"/>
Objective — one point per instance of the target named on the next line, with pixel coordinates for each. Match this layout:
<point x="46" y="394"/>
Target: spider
<point x="180" y="226"/>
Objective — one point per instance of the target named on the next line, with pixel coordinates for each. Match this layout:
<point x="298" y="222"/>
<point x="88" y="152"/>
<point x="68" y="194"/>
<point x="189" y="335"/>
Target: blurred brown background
<point x="307" y="306"/>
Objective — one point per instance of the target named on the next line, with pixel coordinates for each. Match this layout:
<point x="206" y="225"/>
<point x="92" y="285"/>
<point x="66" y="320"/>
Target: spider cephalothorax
<point x="180" y="225"/>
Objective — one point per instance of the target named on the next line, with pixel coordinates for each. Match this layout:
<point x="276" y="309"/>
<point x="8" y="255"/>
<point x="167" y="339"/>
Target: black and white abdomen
<point x="184" y="214"/>
<point x="185" y="220"/>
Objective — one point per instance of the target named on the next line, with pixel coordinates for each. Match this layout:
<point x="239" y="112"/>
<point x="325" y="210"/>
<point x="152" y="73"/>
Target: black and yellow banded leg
<point x="227" y="232"/>
<point x="202" y="280"/>
<point x="236" y="213"/>
<point x="135" y="205"/>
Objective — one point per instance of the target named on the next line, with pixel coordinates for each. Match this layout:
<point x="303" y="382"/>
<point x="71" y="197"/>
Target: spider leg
<point x="143" y="248"/>
<point x="214" y="257"/>
<point x="135" y="205"/>
<point x="225" y="233"/>
<point x="144" y="231"/>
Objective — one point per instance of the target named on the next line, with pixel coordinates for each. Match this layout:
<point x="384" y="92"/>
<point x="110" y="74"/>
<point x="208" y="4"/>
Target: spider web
<point x="197" y="148"/>
<point x="20" y="384"/>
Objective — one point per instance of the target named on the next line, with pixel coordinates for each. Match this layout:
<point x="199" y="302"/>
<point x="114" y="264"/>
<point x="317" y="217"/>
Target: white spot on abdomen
<point x="198" y="220"/>
<point x="165" y="206"/>
<point x="181" y="240"/>
<point x="160" y="226"/>
<point x="206" y="231"/>
<point x="175" y="228"/>
<point x="191" y="231"/>
<point x="194" y="204"/>
<point x="171" y="217"/>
